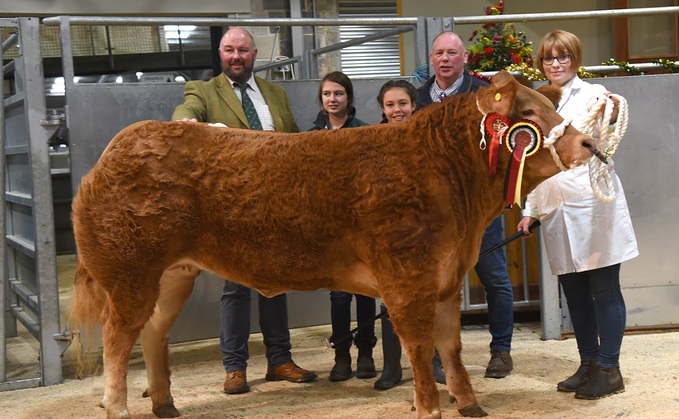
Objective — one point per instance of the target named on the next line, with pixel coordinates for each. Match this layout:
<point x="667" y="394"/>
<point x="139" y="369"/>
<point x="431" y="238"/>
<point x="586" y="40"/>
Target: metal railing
<point x="307" y="61"/>
<point x="424" y="30"/>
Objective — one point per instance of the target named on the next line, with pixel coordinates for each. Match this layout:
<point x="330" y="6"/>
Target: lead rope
<point x="609" y="138"/>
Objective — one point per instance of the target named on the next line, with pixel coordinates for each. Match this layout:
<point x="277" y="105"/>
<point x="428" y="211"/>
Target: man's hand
<point x="188" y="120"/>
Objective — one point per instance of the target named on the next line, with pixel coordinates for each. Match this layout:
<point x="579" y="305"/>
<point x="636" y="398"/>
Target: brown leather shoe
<point x="290" y="372"/>
<point x="236" y="383"/>
<point x="500" y="365"/>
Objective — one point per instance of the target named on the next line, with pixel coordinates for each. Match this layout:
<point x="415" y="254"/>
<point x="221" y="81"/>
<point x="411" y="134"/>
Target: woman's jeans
<point x="598" y="313"/>
<point x="340" y="314"/>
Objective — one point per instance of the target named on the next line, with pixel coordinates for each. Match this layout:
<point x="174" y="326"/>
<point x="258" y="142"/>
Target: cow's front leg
<point x="414" y="324"/>
<point x="176" y="285"/>
<point x="449" y="344"/>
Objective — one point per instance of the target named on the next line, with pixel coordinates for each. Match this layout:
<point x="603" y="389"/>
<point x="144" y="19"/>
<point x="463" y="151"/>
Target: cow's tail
<point x="85" y="318"/>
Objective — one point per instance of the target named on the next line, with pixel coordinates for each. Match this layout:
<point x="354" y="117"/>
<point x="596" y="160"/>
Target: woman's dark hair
<point x="344" y="81"/>
<point x="396" y="84"/>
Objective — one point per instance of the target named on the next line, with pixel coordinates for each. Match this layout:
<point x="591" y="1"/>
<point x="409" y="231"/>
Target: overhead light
<point x="178" y="31"/>
<point x="58" y="86"/>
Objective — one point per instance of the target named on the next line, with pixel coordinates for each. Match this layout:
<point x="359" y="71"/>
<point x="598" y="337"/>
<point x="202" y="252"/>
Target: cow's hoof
<point x="146" y="393"/>
<point x="473" y="411"/>
<point x="166" y="411"/>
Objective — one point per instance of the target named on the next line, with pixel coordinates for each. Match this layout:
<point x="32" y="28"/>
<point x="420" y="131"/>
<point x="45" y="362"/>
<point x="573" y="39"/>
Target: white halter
<point x="555" y="134"/>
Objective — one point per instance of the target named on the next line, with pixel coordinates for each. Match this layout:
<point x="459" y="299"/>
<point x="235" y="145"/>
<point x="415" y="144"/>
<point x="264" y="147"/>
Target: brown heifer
<point x="395" y="210"/>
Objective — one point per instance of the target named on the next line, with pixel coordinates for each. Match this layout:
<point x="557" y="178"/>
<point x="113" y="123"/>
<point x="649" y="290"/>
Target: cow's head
<point x="519" y="111"/>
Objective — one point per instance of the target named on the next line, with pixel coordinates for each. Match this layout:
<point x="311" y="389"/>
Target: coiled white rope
<point x="607" y="138"/>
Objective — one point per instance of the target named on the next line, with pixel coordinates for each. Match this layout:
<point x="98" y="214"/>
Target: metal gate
<point x="29" y="291"/>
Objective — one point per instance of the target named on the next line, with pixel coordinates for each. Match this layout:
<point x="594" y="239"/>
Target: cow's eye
<point x="526" y="113"/>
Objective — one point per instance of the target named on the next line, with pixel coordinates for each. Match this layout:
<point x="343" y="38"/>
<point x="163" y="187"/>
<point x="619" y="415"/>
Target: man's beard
<point x="241" y="77"/>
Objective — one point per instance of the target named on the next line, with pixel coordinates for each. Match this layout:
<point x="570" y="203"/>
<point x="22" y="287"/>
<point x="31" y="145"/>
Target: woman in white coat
<point x="586" y="239"/>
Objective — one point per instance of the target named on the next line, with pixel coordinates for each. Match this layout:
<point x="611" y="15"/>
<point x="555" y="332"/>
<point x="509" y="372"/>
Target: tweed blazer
<point x="215" y="101"/>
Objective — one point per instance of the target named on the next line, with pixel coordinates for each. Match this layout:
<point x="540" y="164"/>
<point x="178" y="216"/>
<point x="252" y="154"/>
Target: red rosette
<point x="496" y="126"/>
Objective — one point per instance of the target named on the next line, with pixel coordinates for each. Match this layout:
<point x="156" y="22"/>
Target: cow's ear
<point x="499" y="96"/>
<point x="553" y="93"/>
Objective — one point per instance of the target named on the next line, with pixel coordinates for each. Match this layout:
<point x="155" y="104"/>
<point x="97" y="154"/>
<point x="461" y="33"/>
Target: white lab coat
<point x="581" y="232"/>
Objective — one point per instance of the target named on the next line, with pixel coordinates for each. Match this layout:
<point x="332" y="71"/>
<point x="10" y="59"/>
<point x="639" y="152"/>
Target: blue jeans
<point x="492" y="270"/>
<point x="598" y="313"/>
<point x="235" y="327"/>
<point x="340" y="316"/>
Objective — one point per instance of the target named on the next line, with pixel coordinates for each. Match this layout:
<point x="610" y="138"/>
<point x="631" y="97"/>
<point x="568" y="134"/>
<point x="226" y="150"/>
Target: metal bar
<point x="275" y="64"/>
<point x="29" y="322"/>
<point x="109" y="48"/>
<point x="66" y="62"/>
<point x="607" y="69"/>
<point x="550" y="312"/>
<point x="43" y="211"/>
<point x="4" y="313"/>
<point x="296" y="32"/>
<point x="9" y="67"/>
<point x="595" y="14"/>
<point x="20" y="384"/>
<point x="158" y="21"/>
<point x="21" y="244"/>
<point x="18" y="198"/>
<point x="14" y="101"/>
<point x="25" y="294"/>
<point x="597" y="69"/>
<point x="43" y="241"/>
<point x="420" y="43"/>
<point x="10" y="42"/>
<point x="462" y="20"/>
<point x="16" y="149"/>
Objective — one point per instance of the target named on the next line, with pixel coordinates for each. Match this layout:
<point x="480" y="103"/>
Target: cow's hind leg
<point x="126" y="311"/>
<point x="413" y="322"/>
<point x="449" y="344"/>
<point x="176" y="285"/>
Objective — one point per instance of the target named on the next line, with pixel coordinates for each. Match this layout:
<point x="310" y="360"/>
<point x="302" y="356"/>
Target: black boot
<point x="604" y="382"/>
<point x="341" y="371"/>
<point x="391" y="347"/>
<point x="365" y="367"/>
<point x="579" y="379"/>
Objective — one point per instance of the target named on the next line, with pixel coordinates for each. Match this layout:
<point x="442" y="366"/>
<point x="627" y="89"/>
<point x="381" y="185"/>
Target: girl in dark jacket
<point x="336" y="96"/>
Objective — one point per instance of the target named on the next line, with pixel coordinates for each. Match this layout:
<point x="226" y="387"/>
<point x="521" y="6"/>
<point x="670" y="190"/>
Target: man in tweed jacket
<point x="218" y="100"/>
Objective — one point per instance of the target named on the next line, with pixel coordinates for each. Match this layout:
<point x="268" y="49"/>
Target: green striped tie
<point x="248" y="107"/>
